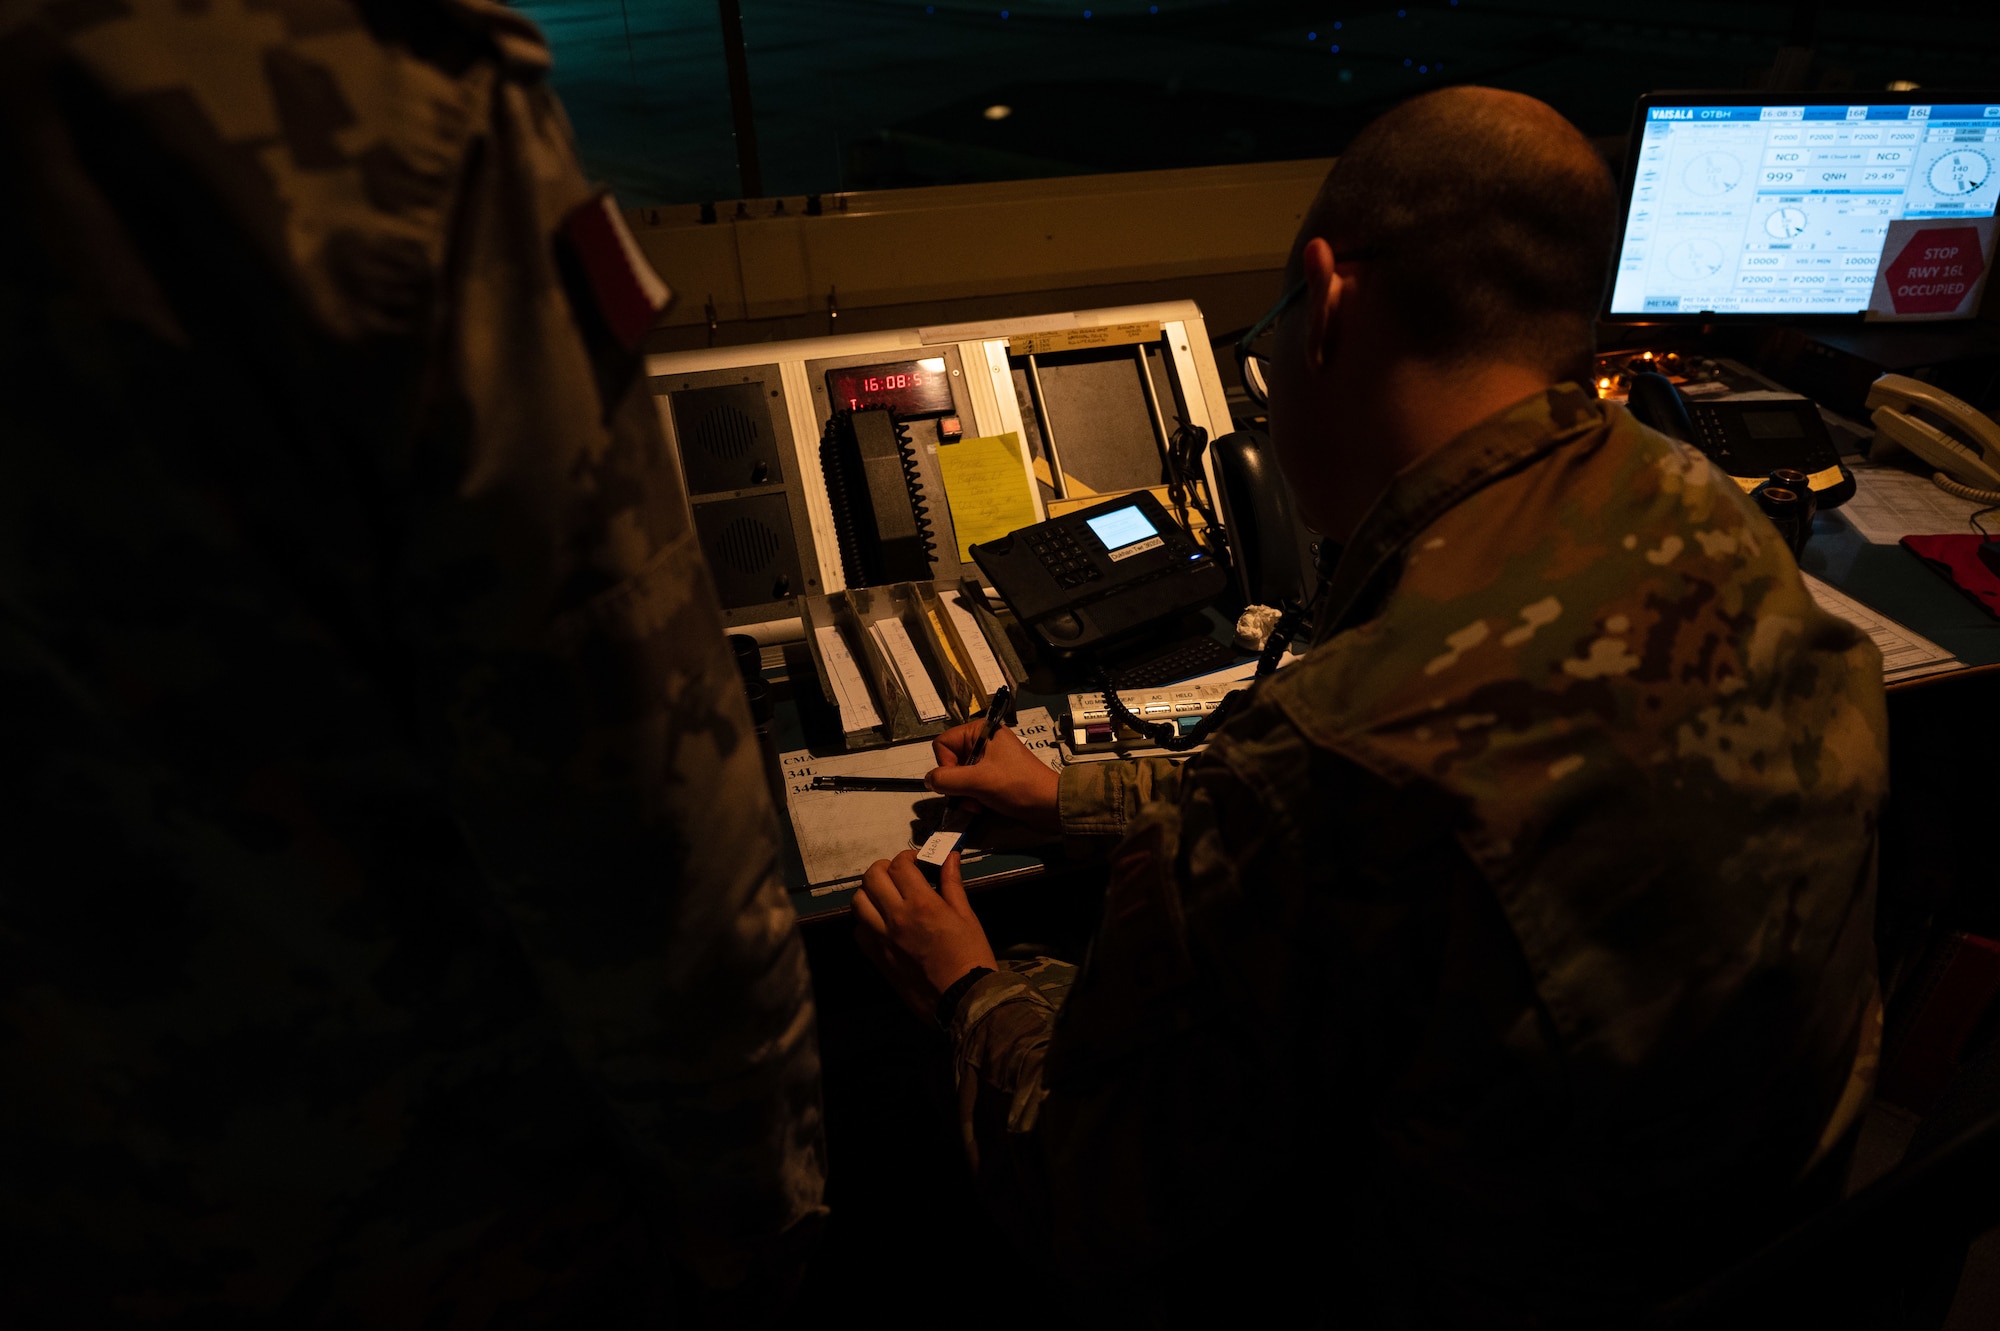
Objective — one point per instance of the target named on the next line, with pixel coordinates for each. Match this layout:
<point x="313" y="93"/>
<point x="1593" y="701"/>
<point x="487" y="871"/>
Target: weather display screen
<point x="1121" y="527"/>
<point x="906" y="387"/>
<point x="1787" y="209"/>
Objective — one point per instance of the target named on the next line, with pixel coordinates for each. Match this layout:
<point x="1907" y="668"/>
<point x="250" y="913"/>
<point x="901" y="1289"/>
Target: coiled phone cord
<point x="1184" y="483"/>
<point x="1989" y="500"/>
<point x="1168" y="735"/>
<point x="1951" y="487"/>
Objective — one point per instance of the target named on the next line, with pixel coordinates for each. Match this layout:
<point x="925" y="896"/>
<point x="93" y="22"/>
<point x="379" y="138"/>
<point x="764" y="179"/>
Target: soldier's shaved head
<point x="1491" y="221"/>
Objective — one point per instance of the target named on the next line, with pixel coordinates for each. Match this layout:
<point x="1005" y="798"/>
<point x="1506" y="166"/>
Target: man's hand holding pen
<point x="1008" y="779"/>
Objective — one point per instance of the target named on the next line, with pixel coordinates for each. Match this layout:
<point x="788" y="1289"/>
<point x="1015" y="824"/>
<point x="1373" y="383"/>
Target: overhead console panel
<point x="819" y="465"/>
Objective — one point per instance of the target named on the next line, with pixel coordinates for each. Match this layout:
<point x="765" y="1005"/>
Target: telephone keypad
<point x="1063" y="556"/>
<point x="1713" y="439"/>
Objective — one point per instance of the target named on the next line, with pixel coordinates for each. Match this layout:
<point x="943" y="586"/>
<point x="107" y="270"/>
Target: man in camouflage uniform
<point x="389" y="931"/>
<point x="1507" y="961"/>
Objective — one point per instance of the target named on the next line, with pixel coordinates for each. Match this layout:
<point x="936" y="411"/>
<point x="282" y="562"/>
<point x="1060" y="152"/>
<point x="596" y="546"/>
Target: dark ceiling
<point x="877" y="93"/>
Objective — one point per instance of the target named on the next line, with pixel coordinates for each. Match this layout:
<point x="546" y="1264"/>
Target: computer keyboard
<point x="1181" y="660"/>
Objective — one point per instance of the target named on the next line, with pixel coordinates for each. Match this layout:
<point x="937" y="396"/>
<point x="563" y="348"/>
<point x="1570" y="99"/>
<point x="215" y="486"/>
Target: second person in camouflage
<point x="390" y="932"/>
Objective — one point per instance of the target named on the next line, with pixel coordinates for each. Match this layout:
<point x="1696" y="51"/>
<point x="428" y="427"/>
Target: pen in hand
<point x="996" y="716"/>
<point x="910" y="784"/>
<point x="958" y="821"/>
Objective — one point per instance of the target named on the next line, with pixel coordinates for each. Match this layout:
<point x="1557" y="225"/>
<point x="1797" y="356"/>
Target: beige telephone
<point x="1963" y="445"/>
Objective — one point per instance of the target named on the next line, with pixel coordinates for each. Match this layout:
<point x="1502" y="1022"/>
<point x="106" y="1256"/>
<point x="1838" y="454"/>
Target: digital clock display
<point x="906" y="387"/>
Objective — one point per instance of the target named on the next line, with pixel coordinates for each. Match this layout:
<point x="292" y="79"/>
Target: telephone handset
<point x="880" y="517"/>
<point x="1273" y="549"/>
<point x="1962" y="444"/>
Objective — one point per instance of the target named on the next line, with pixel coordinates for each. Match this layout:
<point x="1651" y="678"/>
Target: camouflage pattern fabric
<point x="389" y="925"/>
<point x="1507" y="961"/>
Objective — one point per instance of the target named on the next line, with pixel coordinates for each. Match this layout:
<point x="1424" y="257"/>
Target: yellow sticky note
<point x="987" y="489"/>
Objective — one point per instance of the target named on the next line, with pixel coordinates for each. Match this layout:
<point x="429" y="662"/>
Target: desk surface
<point x="1890" y="579"/>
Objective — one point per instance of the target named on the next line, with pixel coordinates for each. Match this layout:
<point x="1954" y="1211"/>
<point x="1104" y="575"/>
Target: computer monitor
<point x="1792" y="205"/>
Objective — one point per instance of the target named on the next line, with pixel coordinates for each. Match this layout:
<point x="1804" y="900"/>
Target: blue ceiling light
<point x="1312" y="36"/>
<point x="1335" y="48"/>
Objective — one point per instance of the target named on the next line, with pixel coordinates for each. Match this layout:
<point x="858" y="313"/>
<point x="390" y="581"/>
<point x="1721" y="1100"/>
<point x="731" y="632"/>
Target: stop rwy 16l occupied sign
<point x="1932" y="269"/>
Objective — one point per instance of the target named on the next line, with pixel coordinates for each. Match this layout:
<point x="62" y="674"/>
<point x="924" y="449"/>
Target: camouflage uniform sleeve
<point x="1004" y="1024"/>
<point x="1101" y="799"/>
<point x="602" y="752"/>
<point x="1151" y="1112"/>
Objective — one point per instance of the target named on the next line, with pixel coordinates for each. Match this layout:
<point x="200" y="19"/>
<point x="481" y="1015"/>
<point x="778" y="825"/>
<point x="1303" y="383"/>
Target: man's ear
<point x="1324" y="288"/>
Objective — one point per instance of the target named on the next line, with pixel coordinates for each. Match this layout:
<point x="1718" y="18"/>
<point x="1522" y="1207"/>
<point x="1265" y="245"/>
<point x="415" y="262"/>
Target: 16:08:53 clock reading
<point x="908" y="388"/>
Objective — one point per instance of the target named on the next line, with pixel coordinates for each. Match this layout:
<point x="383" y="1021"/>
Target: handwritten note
<point x="894" y="640"/>
<point x="984" y="663"/>
<point x="857" y="709"/>
<point x="987" y="489"/>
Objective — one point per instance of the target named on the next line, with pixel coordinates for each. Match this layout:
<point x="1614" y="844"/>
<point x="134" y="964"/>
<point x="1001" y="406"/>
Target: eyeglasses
<point x="1253" y="363"/>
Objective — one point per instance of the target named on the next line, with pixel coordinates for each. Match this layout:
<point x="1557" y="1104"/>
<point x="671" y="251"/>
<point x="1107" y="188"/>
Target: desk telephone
<point x="1748" y="439"/>
<point x="1962" y="444"/>
<point x="1094" y="577"/>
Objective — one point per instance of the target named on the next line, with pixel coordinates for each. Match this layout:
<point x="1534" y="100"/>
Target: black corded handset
<point x="1271" y="546"/>
<point x="1654" y="400"/>
<point x="883" y="528"/>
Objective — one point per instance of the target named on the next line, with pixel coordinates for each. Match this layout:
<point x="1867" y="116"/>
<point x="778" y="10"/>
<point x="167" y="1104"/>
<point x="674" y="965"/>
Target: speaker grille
<point x="727" y="437"/>
<point x="725" y="433"/>
<point x="748" y="546"/>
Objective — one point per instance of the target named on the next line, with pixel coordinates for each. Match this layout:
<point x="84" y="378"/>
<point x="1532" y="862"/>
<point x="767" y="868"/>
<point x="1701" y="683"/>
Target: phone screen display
<point x="1121" y="527"/>
<point x="1773" y="425"/>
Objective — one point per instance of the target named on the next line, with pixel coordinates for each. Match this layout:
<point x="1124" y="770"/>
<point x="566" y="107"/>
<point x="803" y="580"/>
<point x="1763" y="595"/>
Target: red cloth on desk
<point x="1957" y="559"/>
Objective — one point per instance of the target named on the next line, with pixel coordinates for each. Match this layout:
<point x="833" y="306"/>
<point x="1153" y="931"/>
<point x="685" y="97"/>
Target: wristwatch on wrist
<point x="948" y="1001"/>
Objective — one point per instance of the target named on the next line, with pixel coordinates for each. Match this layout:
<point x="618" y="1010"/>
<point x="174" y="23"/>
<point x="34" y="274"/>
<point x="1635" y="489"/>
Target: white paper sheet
<point x="984" y="663"/>
<point x="857" y="709"/>
<point x="1890" y="503"/>
<point x="901" y="653"/>
<point x="1905" y="655"/>
<point x="841" y="833"/>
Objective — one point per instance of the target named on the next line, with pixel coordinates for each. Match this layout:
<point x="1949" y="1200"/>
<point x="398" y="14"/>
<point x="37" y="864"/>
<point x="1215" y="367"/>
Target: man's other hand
<point x="1008" y="779"/>
<point x="922" y="939"/>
